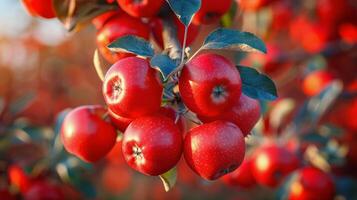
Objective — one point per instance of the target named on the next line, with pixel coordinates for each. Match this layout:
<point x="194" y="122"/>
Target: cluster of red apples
<point x="154" y="134"/>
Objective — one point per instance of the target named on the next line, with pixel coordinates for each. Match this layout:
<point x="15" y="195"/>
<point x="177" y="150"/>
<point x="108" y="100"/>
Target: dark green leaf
<point x="229" y="39"/>
<point x="314" y="138"/>
<point x="256" y="85"/>
<point x="132" y="44"/>
<point x="164" y="64"/>
<point x="185" y="9"/>
<point x="169" y="179"/>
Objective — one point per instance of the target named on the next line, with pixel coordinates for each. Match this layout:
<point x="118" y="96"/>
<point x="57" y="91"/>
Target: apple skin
<point x="143" y="8"/>
<point x="245" y="114"/>
<point x="41" y="8"/>
<point x="119" y="26"/>
<point x="241" y="177"/>
<point x="152" y="145"/>
<point x="121" y="123"/>
<point x="132" y="88"/>
<point x="157" y="30"/>
<point x="85" y="134"/>
<point x="311" y="183"/>
<point x="210" y="12"/>
<point x="316" y="82"/>
<point x="214" y="149"/>
<point x="210" y="84"/>
<point x="102" y="19"/>
<point x="271" y="163"/>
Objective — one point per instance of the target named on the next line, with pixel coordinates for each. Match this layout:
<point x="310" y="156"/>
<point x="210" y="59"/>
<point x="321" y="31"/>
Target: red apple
<point x="310" y="184"/>
<point x="132" y="88"/>
<point x="86" y="134"/>
<point x="272" y="163"/>
<point x="152" y="145"/>
<point x="210" y="84"/>
<point x="214" y="149"/>
<point x="41" y="8"/>
<point x="116" y="27"/>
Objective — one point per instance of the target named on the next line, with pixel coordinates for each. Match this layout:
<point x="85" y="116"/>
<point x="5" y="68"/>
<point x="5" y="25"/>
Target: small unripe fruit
<point x="210" y="84"/>
<point x="116" y="27"/>
<point x="211" y="11"/>
<point x="152" y="145"/>
<point x="141" y="8"/>
<point x="214" y="149"/>
<point x="245" y="114"/>
<point x="125" y="85"/>
<point x="86" y="134"/>
<point x="310" y="184"/>
<point x="273" y="163"/>
<point x="41" y="8"/>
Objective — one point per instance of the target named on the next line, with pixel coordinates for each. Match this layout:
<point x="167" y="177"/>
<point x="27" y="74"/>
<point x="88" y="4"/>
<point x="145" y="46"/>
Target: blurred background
<point x="312" y="58"/>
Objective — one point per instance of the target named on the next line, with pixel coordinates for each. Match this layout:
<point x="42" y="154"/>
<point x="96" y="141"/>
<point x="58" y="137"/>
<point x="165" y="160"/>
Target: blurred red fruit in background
<point x="310" y="183"/>
<point x="41" y="8"/>
<point x="116" y="27"/>
<point x="272" y="163"/>
<point x="316" y="82"/>
<point x="241" y="177"/>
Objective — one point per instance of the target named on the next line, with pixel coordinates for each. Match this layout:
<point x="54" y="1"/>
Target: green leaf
<point x="164" y="64"/>
<point x="132" y="44"/>
<point x="229" y="39"/>
<point x="169" y="179"/>
<point x="256" y="85"/>
<point x="185" y="9"/>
